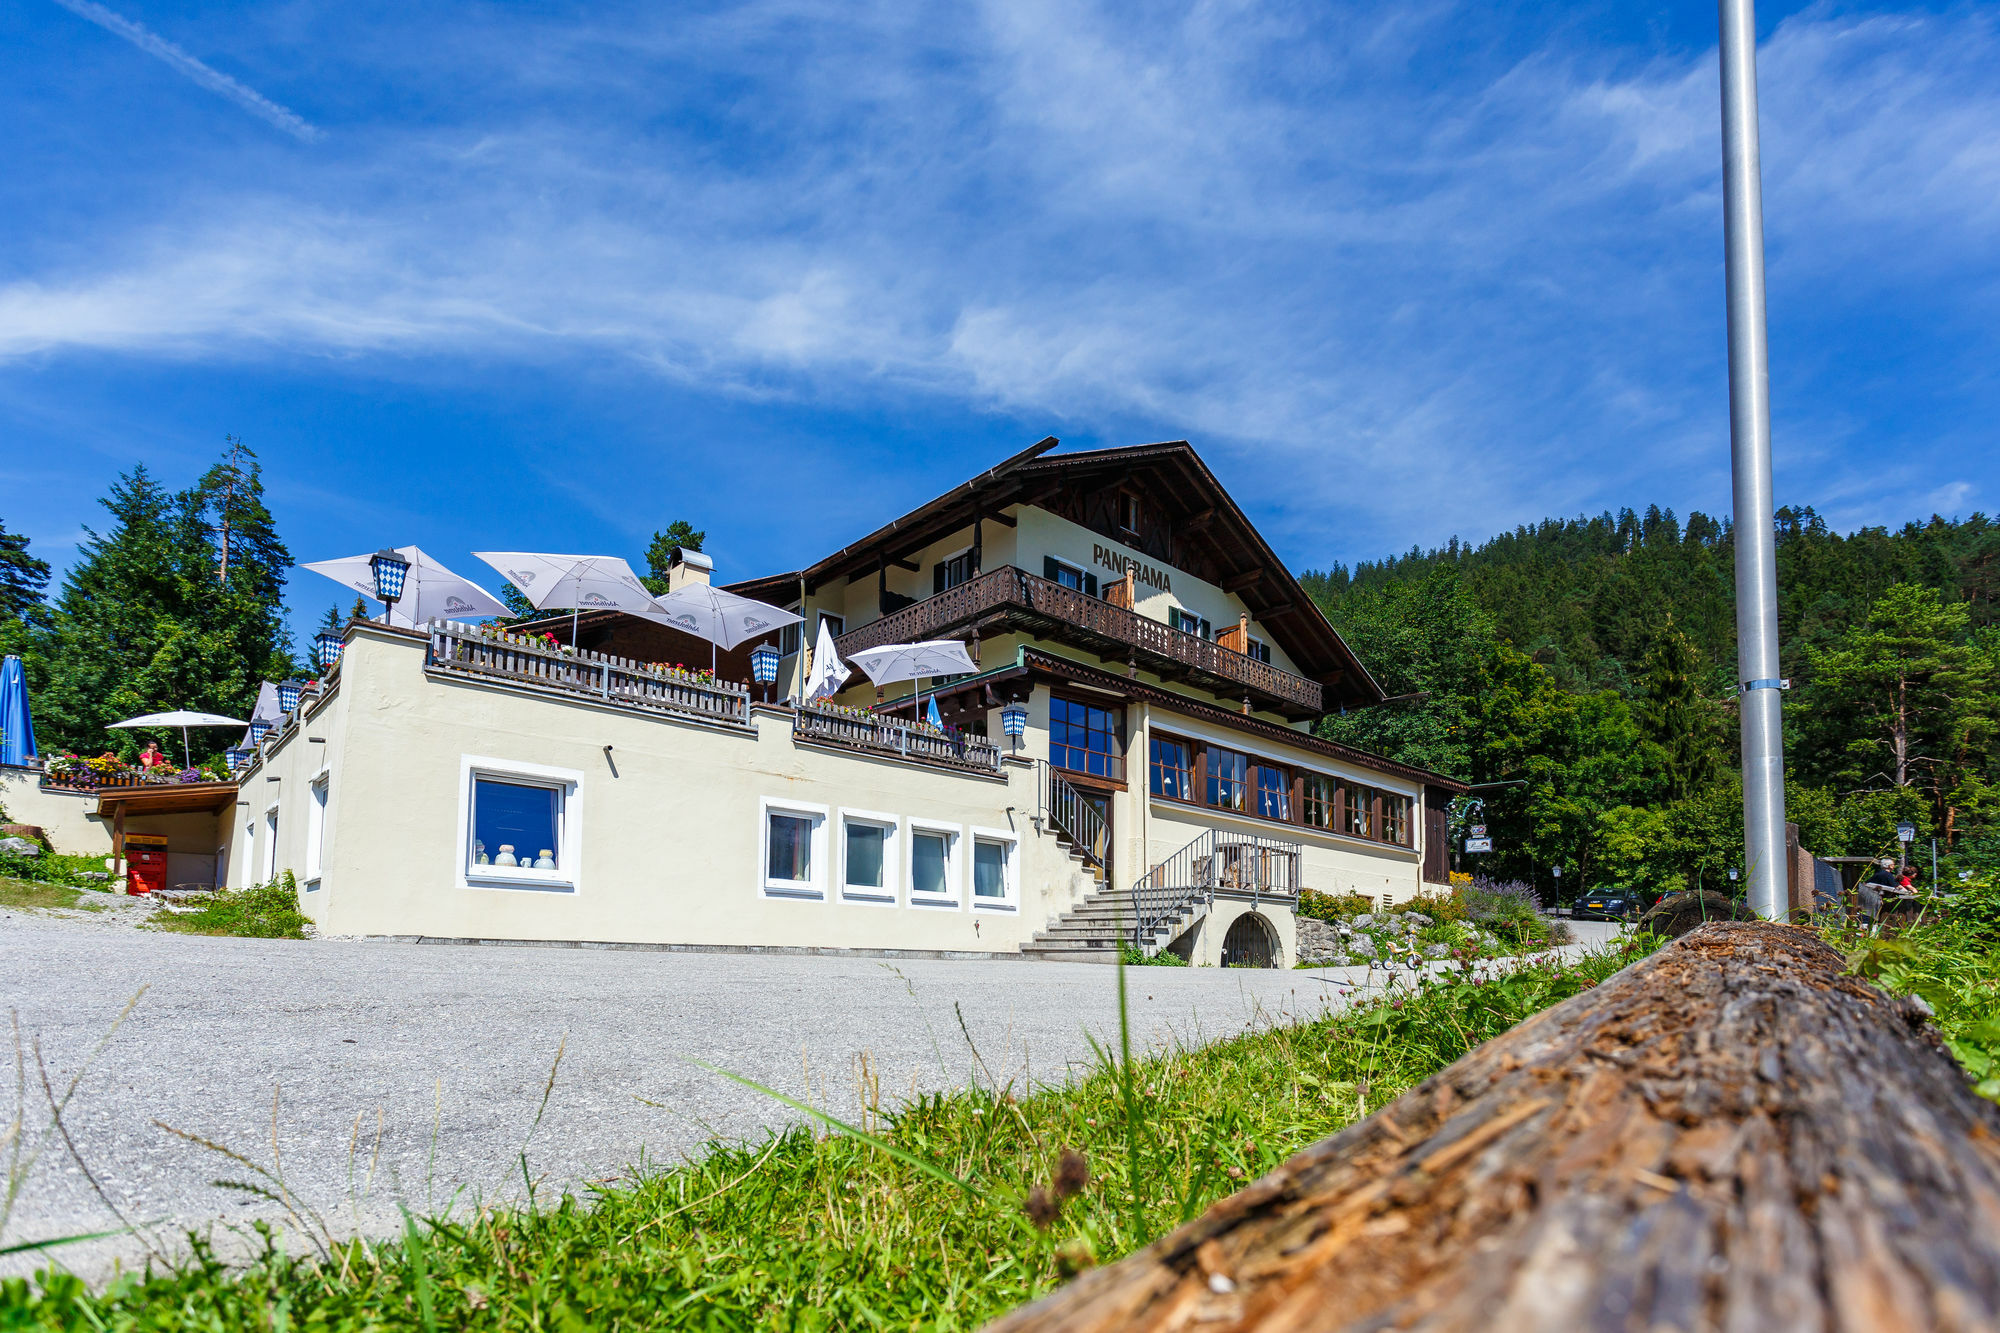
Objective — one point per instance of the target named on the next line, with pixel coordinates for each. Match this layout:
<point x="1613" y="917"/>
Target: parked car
<point x="1609" y="906"/>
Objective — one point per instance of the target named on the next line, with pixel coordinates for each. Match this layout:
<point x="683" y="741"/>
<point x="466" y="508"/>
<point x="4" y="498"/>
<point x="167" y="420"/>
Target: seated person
<point x="153" y="757"/>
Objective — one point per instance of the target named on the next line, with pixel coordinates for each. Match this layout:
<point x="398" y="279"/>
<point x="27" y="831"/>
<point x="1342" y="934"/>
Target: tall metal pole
<point x="1750" y="450"/>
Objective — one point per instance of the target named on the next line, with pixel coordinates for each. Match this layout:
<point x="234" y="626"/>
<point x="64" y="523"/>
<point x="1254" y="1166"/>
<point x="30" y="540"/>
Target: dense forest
<point x="1581" y="672"/>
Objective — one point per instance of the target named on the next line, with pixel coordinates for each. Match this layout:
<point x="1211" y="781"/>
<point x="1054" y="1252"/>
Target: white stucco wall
<point x="69" y="818"/>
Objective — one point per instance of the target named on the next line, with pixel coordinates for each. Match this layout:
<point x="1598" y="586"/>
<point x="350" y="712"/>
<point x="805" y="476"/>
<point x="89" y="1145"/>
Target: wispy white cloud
<point x="208" y="77"/>
<point x="1418" y="305"/>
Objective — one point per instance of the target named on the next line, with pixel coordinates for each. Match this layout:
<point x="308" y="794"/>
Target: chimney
<point x="688" y="567"/>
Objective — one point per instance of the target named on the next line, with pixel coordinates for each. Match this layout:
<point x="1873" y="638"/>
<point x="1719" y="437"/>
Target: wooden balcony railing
<point x="91" y="780"/>
<point x="883" y="735"/>
<point x="1048" y="608"/>
<point x="493" y="654"/>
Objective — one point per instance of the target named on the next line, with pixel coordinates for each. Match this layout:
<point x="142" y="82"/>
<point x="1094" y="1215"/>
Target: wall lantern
<point x="1014" y="721"/>
<point x="288" y="696"/>
<point x="764" y="661"/>
<point x="328" y="645"/>
<point x="236" y="757"/>
<point x="258" y="729"/>
<point x="389" y="569"/>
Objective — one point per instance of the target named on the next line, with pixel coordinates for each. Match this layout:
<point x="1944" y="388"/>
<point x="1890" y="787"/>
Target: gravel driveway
<point x="452" y="1047"/>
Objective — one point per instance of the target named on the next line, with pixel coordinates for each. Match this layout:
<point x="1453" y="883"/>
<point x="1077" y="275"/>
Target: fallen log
<point x="1731" y="1134"/>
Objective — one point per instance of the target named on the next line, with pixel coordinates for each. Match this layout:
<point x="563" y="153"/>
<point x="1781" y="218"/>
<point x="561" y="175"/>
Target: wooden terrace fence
<point x="494" y="654"/>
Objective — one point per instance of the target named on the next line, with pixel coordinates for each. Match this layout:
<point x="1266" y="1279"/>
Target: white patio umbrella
<point x="725" y="619"/>
<point x="908" y="661"/>
<point x="430" y="591"/>
<point x="829" y="673"/>
<point x="579" y="582"/>
<point x="183" y="719"/>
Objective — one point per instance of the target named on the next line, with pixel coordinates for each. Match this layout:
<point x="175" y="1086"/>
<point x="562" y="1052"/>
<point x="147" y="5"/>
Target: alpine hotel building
<point x="1167" y="790"/>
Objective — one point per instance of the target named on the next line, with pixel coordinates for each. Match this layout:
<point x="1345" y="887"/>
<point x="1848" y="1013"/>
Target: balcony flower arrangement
<point x="69" y="769"/>
<point x="701" y="677"/>
<point x="552" y="643"/>
<point x="842" y="710"/>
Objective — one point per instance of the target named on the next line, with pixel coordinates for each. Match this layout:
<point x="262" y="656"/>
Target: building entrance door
<point x="1101" y="803"/>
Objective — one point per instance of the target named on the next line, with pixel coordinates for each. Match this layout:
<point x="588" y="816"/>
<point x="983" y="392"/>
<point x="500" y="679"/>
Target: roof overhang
<point x="167" y="798"/>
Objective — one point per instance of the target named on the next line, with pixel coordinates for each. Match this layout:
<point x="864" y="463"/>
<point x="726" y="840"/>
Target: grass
<point x="940" y="1214"/>
<point x="31" y="894"/>
<point x="265" y="912"/>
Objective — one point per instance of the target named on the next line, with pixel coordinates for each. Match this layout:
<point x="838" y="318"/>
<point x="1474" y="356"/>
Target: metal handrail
<point x="1010" y="586"/>
<point x="1218" y="859"/>
<point x="886" y="735"/>
<point x="494" y="654"/>
<point x="1076" y="819"/>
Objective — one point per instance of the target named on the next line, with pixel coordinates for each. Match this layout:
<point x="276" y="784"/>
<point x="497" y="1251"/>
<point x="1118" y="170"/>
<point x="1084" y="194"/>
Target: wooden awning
<point x="167" y="798"/>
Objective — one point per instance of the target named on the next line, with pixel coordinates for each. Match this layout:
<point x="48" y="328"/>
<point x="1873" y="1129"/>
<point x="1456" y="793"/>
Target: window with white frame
<point x="934" y="868"/>
<point x="270" y="844"/>
<point x="519" y="826"/>
<point x="995" y="875"/>
<point x="315" y="831"/>
<point x="868" y="856"/>
<point x="793" y="850"/>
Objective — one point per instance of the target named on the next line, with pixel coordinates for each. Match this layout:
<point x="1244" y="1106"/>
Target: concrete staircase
<point x="1092" y="931"/>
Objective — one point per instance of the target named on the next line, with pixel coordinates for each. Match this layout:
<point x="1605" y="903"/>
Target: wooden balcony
<point x="887" y="736"/>
<point x="1012" y="600"/>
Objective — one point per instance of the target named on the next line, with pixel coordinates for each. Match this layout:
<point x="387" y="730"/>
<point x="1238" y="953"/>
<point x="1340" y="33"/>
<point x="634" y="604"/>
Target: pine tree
<point x="679" y="536"/>
<point x="1678" y="717"/>
<point x="22" y="577"/>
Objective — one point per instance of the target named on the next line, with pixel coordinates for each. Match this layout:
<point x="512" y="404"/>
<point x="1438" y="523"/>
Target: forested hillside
<point x="1587" y="663"/>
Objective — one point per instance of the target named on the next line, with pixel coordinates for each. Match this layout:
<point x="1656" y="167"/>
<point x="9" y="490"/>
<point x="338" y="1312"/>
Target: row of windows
<point x="1225" y="779"/>
<point x="887" y="860"/>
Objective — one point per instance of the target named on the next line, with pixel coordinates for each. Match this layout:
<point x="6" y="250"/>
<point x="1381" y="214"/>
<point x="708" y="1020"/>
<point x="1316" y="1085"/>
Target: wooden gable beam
<point x="1249" y="578"/>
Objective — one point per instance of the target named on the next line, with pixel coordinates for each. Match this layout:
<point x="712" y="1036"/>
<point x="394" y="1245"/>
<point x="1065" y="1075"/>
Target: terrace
<point x="1011" y="599"/>
<point x="476" y="652"/>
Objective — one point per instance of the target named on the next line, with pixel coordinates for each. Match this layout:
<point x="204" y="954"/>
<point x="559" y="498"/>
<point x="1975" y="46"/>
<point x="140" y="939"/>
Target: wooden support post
<point x="1731" y="1134"/>
<point x="118" y="840"/>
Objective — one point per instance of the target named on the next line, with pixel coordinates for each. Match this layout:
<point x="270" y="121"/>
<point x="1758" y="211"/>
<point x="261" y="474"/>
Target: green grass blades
<point x="266" y="912"/>
<point x="1952" y="964"/>
<point x="987" y="1200"/>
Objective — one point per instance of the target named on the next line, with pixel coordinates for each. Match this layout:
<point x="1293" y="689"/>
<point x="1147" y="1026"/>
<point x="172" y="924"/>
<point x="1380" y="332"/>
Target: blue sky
<point x="520" y="276"/>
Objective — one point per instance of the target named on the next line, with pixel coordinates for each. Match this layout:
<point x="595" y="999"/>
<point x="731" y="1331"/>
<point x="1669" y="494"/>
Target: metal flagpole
<point x="1760" y="702"/>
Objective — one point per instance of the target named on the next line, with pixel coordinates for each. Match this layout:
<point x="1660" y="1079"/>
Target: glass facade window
<point x="930" y="864"/>
<point x="1173" y="769"/>
<point x="1319" y="795"/>
<point x="1228" y="774"/>
<point x="866" y="847"/>
<point x="989" y="869"/>
<point x="516" y="824"/>
<point x="788" y="851"/>
<point x="1274" y="793"/>
<point x="1085" y="738"/>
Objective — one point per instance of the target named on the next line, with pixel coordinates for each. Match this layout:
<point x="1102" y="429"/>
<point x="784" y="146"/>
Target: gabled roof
<point x="1200" y="529"/>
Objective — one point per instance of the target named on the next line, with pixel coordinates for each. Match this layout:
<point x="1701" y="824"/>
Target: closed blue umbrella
<point x="17" y="727"/>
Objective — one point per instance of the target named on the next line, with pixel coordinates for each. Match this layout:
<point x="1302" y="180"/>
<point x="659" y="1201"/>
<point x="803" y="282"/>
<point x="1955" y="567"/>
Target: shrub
<point x="265" y="912"/>
<point x="1333" y="907"/>
<point x="53" y="868"/>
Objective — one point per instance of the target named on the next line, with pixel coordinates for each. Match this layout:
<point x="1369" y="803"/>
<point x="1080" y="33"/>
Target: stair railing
<point x="1220" y="859"/>
<point x="1076" y="820"/>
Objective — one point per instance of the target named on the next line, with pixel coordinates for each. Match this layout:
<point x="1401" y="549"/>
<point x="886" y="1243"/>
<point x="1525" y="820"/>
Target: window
<point x="1086" y="738"/>
<point x="993" y="872"/>
<point x="1395" y="819"/>
<point x="1258" y="649"/>
<point x="1274" y="793"/>
<point x="788" y="637"/>
<point x="270" y="844"/>
<point x="1189" y="623"/>
<point x="950" y="573"/>
<point x="933" y="865"/>
<point x="794" y="850"/>
<point x="518" y="826"/>
<point x="836" y="624"/>
<point x="1360" y="802"/>
<point x="1173" y="769"/>
<point x="1319" y="798"/>
<point x="315" y="831"/>
<point x="868" y="857"/>
<point x="1070" y="576"/>
<point x="1228" y="771"/>
<point x="1128" y="513"/>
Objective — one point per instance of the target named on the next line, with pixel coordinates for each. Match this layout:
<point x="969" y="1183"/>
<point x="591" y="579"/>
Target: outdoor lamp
<point x="236" y="757"/>
<point x="390" y="570"/>
<point x="1014" y="721"/>
<point x="288" y="696"/>
<point x="1732" y="874"/>
<point x="1906" y="832"/>
<point x="328" y="645"/>
<point x="764" y="665"/>
<point x="258" y="728"/>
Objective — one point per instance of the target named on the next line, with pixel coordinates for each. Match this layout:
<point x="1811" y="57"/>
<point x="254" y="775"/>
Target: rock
<point x="1437" y="950"/>
<point x="1364" y="947"/>
<point x="1416" y="921"/>
<point x="1365" y="920"/>
<point x="19" y="847"/>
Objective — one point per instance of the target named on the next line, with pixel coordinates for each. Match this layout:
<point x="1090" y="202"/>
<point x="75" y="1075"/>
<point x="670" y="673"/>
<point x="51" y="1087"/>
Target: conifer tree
<point x="1678" y="717"/>
<point x="679" y="536"/>
<point x="22" y="577"/>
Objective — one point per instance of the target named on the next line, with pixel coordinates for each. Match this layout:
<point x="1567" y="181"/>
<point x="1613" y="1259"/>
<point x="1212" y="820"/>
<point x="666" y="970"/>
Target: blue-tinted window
<point x="516" y="824"/>
<point x="790" y="847"/>
<point x="930" y="864"/>
<point x="1084" y="738"/>
<point x="989" y="869"/>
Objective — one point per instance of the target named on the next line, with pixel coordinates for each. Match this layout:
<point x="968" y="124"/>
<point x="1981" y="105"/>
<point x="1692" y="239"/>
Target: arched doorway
<point x="1250" y="943"/>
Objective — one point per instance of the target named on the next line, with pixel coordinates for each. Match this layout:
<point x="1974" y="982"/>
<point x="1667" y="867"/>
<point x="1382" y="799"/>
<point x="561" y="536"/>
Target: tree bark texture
<point x="1732" y="1135"/>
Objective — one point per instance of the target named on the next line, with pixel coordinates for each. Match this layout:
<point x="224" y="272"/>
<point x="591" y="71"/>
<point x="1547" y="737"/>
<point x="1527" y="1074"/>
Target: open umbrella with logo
<point x="723" y="618"/>
<point x="183" y="719"/>
<point x="579" y="582"/>
<point x="430" y="591"/>
<point x="913" y="661"/>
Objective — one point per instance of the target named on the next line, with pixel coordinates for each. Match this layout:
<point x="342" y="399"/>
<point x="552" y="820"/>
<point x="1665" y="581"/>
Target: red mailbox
<point x="145" y="863"/>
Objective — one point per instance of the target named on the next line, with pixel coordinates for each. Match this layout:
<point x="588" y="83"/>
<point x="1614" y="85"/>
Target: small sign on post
<point x="1479" y="844"/>
<point x="1478" y="830"/>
